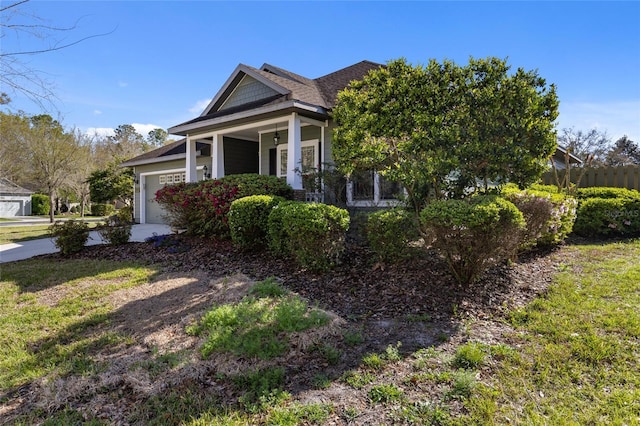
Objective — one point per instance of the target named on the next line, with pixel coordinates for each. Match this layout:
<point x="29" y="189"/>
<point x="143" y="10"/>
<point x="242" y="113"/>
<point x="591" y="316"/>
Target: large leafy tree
<point x="110" y="184"/>
<point x="442" y="130"/>
<point x="590" y="146"/>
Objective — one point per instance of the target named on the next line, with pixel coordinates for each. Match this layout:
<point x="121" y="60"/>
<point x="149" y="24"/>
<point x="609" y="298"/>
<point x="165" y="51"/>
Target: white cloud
<point x="122" y="84"/>
<point x="97" y="112"/>
<point x="616" y="118"/>
<point x="100" y="131"/>
<point x="144" y="129"/>
<point x="199" y="106"/>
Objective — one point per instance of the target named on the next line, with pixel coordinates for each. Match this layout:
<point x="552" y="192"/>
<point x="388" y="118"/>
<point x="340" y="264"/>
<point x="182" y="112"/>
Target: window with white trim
<point x="309" y="158"/>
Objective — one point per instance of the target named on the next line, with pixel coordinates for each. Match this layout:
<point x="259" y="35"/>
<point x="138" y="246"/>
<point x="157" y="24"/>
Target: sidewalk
<point x="26" y="249"/>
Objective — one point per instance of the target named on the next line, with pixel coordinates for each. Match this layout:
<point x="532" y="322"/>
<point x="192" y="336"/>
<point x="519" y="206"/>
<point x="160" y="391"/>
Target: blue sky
<point x="162" y="60"/>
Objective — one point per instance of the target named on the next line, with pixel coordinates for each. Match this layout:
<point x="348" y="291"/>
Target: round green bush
<point x="249" y="219"/>
<point x="389" y="233"/>
<point x="312" y="233"/>
<point x="70" y="236"/>
<point x="115" y="231"/>
<point x="40" y="205"/>
<point x="473" y="234"/>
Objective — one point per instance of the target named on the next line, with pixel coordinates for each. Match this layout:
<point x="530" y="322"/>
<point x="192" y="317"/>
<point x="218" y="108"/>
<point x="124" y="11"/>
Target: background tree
<point x="624" y="152"/>
<point x="110" y="184"/>
<point x="52" y="154"/>
<point x="442" y="128"/>
<point x="14" y="135"/>
<point x="156" y="138"/>
<point x="590" y="146"/>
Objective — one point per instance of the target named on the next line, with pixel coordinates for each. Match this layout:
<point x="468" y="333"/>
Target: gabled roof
<point x="9" y="188"/>
<point x="287" y="88"/>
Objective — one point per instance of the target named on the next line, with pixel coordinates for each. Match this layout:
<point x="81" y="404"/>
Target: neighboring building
<point x="560" y="159"/>
<point x="268" y="121"/>
<point x="14" y="200"/>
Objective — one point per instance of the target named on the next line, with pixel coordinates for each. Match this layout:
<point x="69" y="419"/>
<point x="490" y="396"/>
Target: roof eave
<point x="185" y="128"/>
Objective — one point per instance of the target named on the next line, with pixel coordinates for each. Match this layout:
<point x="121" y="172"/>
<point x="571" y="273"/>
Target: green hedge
<point x="98" y="209"/>
<point x="312" y="234"/>
<point x="40" y="205"/>
<point x="389" y="233"/>
<point x="249" y="219"/>
<point x="473" y="234"/>
<point x="607" y="192"/>
<point x="601" y="217"/>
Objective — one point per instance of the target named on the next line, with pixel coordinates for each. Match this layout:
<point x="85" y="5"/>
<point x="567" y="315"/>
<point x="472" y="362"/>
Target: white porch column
<point x="217" y="154"/>
<point x="191" y="174"/>
<point x="294" y="152"/>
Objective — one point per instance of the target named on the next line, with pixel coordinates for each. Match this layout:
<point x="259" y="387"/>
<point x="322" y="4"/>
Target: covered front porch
<point x="286" y="146"/>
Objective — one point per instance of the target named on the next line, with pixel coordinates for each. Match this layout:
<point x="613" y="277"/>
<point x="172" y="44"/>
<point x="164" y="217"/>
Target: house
<point x="268" y="121"/>
<point x="14" y="200"/>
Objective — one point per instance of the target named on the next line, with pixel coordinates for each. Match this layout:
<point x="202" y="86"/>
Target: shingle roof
<point x="9" y="188"/>
<point x="321" y="91"/>
<point x="177" y="147"/>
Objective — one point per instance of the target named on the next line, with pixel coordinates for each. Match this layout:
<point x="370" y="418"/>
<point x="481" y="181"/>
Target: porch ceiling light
<point x="276" y="137"/>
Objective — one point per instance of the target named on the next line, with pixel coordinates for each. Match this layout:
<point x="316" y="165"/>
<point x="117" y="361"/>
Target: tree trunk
<point x="52" y="206"/>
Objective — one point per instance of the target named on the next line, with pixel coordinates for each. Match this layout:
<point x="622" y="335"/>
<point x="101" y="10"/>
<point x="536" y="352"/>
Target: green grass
<point x="580" y="358"/>
<point x="257" y="326"/>
<point x="16" y="234"/>
<point x="47" y="312"/>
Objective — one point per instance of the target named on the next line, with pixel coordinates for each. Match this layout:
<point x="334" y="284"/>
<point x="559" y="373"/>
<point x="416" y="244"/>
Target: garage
<point x="14" y="200"/>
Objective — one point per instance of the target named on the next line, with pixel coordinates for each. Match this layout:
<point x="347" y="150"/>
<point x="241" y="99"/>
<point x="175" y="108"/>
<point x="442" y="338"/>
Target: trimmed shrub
<point x="473" y="234"/>
<point x="389" y="233"/>
<point x="312" y="233"/>
<point x="115" y="231"/>
<point x="40" y="205"/>
<point x="249" y="219"/>
<point x="125" y="214"/>
<point x="599" y="217"/>
<point x="607" y="192"/>
<point x="201" y="208"/>
<point x="99" y="209"/>
<point x="70" y="236"/>
<point x="549" y="217"/>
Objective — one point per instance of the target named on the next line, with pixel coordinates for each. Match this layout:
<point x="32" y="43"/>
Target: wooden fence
<point x="618" y="177"/>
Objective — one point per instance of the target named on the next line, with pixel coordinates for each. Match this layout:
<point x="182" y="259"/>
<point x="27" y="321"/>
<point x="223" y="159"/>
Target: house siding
<point x="248" y="90"/>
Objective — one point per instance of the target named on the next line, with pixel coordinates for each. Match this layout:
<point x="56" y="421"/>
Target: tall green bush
<point x="249" y="219"/>
<point x="312" y="234"/>
<point x="115" y="231"/>
<point x="389" y="233"/>
<point x="40" y="205"/>
<point x="473" y="234"/>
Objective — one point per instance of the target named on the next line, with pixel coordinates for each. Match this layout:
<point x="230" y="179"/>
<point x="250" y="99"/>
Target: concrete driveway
<point x="26" y="249"/>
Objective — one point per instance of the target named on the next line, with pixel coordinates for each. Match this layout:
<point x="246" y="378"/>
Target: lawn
<point x="104" y="342"/>
<point x="15" y="234"/>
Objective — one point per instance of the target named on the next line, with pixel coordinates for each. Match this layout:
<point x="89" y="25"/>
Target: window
<point x="163" y="179"/>
<point x="309" y="157"/>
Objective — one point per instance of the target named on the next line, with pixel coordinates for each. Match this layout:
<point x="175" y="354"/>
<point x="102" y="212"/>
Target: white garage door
<point x="154" y="213"/>
<point x="9" y="208"/>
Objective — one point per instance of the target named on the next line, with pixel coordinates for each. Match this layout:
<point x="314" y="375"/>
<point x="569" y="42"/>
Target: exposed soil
<point x="416" y="303"/>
